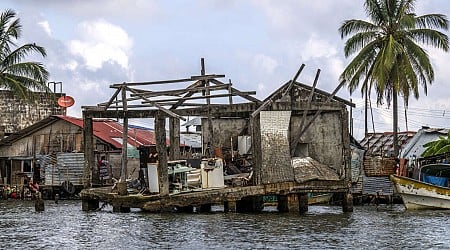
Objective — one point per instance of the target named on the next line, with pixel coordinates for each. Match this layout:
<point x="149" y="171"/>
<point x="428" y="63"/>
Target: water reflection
<point x="65" y="226"/>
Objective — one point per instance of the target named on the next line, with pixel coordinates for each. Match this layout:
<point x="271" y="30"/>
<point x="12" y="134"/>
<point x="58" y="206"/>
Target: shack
<point x="297" y="142"/>
<point x="51" y="152"/>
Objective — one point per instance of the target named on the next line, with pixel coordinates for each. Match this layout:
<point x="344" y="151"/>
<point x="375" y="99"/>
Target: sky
<point x="257" y="44"/>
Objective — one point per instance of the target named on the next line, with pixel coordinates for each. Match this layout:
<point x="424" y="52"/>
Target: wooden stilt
<point x="347" y="203"/>
<point x="230" y="206"/>
<point x="89" y="205"/>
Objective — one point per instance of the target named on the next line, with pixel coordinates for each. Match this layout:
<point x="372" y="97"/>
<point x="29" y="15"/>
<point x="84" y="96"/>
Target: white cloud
<point x="315" y="47"/>
<point x="46" y="27"/>
<point x="101" y="42"/>
<point x="264" y="62"/>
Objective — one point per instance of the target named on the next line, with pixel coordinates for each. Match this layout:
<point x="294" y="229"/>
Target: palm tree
<point x="22" y="78"/>
<point x="389" y="57"/>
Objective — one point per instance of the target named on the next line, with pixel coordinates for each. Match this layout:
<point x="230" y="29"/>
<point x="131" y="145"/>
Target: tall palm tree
<point x="21" y="77"/>
<point x="389" y="57"/>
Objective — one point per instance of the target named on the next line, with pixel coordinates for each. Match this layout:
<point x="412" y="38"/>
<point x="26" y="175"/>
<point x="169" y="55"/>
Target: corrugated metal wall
<point x="66" y="167"/>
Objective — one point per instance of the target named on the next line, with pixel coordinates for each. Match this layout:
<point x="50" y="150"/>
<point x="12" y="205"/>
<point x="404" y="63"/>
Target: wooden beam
<point x="302" y="121"/>
<point x="330" y="97"/>
<point x="192" y="98"/>
<point x="189" y="94"/>
<point x="162" y="108"/>
<point x="239" y="93"/>
<point x="146" y="93"/>
<point x="123" y="172"/>
<point x="160" y="136"/>
<point x="88" y="139"/>
<point x="174" y="135"/>
<point x="111" y="100"/>
<point x="235" y="110"/>
<point x="128" y="84"/>
<point x="206" y="77"/>
<point x="283" y="92"/>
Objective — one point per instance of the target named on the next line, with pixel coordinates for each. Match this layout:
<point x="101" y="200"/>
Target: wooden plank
<point x="193" y="98"/>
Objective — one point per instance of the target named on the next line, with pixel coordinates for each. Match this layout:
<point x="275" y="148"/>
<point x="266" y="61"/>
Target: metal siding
<point x="67" y="167"/>
<point x="381" y="184"/>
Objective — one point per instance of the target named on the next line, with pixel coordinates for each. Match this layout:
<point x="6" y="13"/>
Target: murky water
<point x="65" y="226"/>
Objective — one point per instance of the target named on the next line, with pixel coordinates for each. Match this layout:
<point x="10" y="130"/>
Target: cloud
<point x="264" y="63"/>
<point x="46" y="26"/>
<point x="99" y="42"/>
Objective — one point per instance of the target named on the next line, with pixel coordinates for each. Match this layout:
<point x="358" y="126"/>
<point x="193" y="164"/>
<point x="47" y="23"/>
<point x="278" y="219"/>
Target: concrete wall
<point x="276" y="159"/>
<point x="223" y="130"/>
<point x="324" y="138"/>
<point x="16" y="114"/>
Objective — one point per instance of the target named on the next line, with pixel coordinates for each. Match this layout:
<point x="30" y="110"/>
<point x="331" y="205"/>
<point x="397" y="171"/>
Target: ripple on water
<point x="65" y="226"/>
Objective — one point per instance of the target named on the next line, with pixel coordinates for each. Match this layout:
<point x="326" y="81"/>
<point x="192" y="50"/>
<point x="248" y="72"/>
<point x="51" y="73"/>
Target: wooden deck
<point x="157" y="203"/>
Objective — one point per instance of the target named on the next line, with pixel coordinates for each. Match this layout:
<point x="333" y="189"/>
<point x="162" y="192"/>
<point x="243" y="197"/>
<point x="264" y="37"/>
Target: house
<point x="412" y="151"/>
<point x="379" y="162"/>
<point x="51" y="151"/>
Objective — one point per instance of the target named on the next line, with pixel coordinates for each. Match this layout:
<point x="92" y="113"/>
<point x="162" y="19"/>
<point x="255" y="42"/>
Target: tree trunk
<point x="395" y="122"/>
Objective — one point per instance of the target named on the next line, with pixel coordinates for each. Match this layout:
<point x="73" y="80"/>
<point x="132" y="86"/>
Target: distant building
<point x="17" y="114"/>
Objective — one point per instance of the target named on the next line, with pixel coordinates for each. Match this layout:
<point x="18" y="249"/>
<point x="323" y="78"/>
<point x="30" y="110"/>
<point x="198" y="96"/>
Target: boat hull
<point x="420" y="195"/>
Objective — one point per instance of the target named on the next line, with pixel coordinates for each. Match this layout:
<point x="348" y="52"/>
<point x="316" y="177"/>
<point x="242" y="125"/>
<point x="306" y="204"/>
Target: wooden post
<point x="347" y="204"/>
<point x="89" y="205"/>
<point x="256" y="149"/>
<point x="122" y="184"/>
<point x="174" y="132"/>
<point x="229" y="206"/>
<point x="303" y="203"/>
<point x="89" y="158"/>
<point x="160" y="134"/>
<point x="289" y="203"/>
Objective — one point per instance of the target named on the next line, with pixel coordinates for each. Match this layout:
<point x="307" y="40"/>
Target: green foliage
<point x="388" y="54"/>
<point x="17" y="75"/>
<point x="440" y="146"/>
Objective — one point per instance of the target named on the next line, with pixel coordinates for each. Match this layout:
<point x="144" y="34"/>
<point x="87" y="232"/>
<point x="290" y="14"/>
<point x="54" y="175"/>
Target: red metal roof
<point x="110" y="131"/>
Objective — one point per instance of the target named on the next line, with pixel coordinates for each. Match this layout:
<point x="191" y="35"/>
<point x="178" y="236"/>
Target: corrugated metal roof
<point x="111" y="131"/>
<point x="383" y="143"/>
<point x="415" y="148"/>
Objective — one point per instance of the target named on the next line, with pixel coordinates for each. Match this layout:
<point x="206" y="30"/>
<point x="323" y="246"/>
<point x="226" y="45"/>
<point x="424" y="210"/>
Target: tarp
<point x="435" y="180"/>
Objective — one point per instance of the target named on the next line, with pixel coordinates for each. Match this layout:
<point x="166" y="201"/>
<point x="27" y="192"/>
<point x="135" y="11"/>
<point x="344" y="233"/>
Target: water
<point x="65" y="226"/>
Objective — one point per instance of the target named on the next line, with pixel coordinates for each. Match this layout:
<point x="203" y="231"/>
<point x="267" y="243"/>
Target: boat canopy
<point x="436" y="174"/>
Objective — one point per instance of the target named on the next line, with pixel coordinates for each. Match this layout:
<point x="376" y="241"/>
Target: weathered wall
<point x="276" y="159"/>
<point x="60" y="136"/>
<point x="324" y="138"/>
<point x="223" y="130"/>
<point x="16" y="114"/>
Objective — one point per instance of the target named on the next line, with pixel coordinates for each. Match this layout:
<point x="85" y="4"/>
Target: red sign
<point x="66" y="101"/>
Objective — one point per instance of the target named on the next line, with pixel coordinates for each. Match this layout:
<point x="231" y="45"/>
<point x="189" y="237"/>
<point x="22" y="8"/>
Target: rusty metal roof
<point x="383" y="143"/>
<point x="111" y="132"/>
